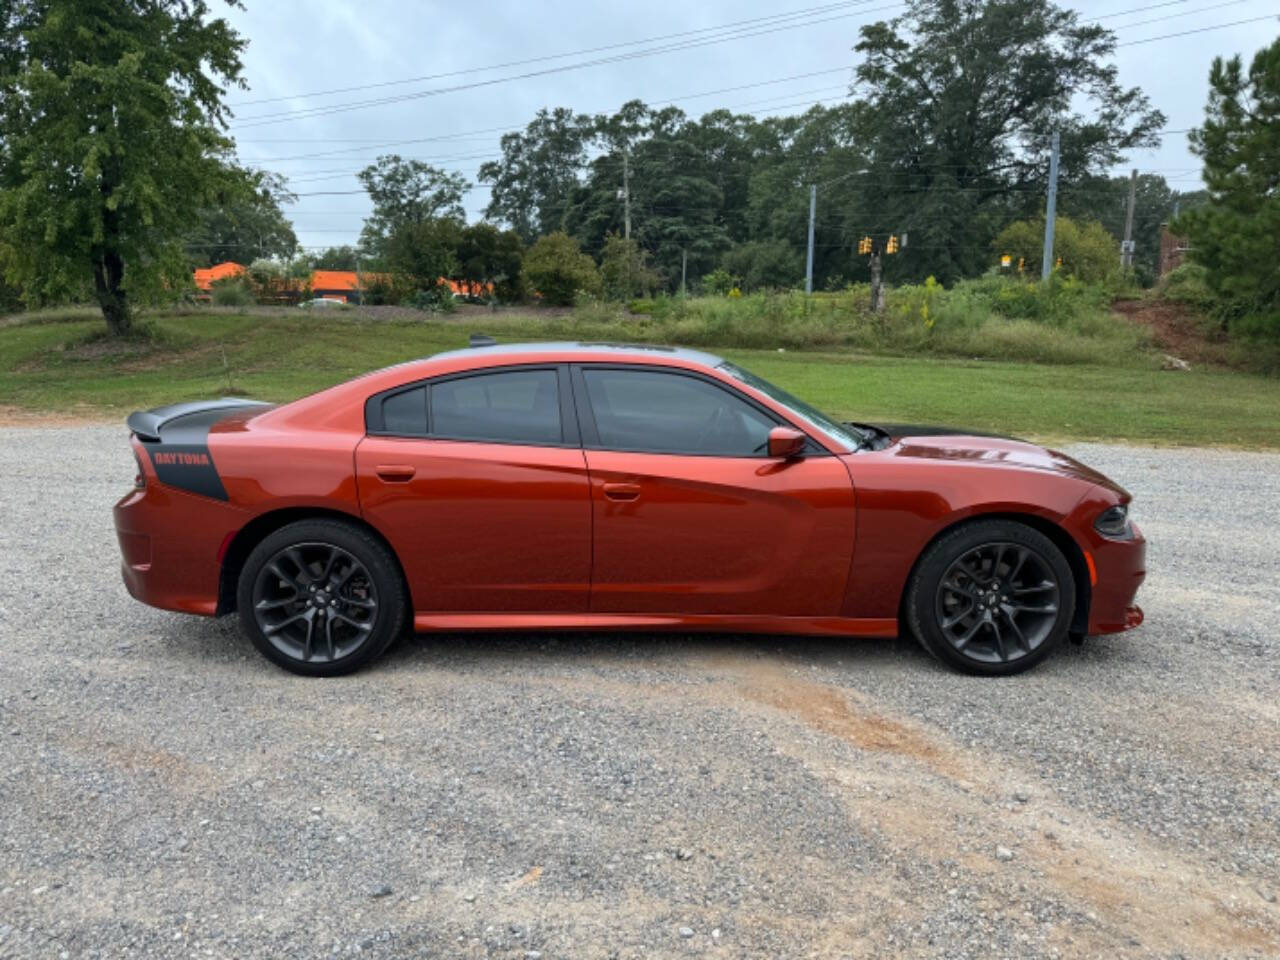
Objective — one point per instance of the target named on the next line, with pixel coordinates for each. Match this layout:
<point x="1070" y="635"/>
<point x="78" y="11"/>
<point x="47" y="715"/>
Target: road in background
<point x="165" y="792"/>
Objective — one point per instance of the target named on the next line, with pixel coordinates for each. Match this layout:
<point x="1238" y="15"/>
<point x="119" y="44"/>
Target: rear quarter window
<point x="405" y="413"/>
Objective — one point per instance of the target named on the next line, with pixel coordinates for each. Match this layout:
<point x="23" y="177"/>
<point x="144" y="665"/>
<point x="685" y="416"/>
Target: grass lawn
<point x="63" y="366"/>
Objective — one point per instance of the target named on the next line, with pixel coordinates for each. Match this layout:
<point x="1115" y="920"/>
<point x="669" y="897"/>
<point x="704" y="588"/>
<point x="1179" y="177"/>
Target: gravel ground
<point x="165" y="792"/>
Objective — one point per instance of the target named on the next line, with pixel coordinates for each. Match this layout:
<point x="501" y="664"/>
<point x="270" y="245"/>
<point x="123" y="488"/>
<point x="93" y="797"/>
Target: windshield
<point x="845" y="433"/>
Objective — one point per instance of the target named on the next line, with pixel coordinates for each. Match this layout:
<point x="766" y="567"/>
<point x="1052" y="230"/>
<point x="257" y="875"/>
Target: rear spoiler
<point x="147" y="424"/>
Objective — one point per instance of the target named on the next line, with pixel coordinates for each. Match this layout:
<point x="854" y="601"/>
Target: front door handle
<point x="395" y="472"/>
<point x="622" y="491"/>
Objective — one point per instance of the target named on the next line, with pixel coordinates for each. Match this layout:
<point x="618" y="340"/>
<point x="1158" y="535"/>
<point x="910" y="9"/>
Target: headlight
<point x="1114" y="522"/>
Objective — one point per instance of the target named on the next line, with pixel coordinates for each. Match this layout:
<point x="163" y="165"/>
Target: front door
<point x="480" y="484"/>
<point x="691" y="514"/>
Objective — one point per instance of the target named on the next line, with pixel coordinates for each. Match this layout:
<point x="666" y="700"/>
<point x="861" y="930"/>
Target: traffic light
<point x="864" y="245"/>
<point x="892" y="245"/>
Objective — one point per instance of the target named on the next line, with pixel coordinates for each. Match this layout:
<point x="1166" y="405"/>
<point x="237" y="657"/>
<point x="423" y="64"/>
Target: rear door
<point x="691" y="515"/>
<point x="479" y="482"/>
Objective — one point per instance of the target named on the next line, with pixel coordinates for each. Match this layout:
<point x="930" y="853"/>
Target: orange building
<point x="343" y="285"/>
<point x="221" y="271"/>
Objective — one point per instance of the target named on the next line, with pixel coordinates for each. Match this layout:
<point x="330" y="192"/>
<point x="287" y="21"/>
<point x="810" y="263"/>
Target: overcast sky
<point x="293" y="57"/>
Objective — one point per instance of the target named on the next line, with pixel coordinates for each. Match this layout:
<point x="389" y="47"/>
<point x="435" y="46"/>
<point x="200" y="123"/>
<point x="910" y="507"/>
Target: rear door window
<point x="512" y="406"/>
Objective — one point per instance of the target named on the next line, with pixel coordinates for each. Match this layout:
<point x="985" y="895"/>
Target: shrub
<point x="624" y="270"/>
<point x="719" y="282"/>
<point x="231" y="292"/>
<point x="436" y="299"/>
<point x="1087" y="251"/>
<point x="1189" y="284"/>
<point x="559" y="271"/>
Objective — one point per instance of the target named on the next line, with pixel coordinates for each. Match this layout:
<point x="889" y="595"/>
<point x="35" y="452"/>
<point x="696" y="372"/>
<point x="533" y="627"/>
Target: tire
<point x="321" y="598"/>
<point x="992" y="597"/>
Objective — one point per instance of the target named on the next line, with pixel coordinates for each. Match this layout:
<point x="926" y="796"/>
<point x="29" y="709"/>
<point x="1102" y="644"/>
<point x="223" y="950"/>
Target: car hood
<point x="963" y="446"/>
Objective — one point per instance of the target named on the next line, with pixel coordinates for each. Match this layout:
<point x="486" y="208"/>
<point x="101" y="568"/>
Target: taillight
<point x="139" y="478"/>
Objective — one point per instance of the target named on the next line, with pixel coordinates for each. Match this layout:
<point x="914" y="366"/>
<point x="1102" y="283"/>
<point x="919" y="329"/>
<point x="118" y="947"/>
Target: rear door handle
<point x="622" y="491"/>
<point x="394" y="472"/>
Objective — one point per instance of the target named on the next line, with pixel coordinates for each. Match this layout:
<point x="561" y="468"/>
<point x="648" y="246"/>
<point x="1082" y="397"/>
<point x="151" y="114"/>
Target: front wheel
<point x="321" y="597"/>
<point x="991" y="597"/>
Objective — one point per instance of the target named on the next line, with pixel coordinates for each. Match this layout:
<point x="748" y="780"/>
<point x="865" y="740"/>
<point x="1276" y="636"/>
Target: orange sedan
<point x="610" y="486"/>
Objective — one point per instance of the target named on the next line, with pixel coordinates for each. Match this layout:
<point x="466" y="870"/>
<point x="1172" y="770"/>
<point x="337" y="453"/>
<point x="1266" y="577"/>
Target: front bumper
<point x="1117" y="569"/>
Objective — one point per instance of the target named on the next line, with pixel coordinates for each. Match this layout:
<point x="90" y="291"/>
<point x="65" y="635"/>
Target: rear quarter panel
<point x="279" y="460"/>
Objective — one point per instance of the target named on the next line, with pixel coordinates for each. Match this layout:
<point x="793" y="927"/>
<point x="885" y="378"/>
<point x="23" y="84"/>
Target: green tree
<point x="111" y="142"/>
<point x="1236" y="236"/>
<point x="558" y="270"/>
<point x="246" y="223"/>
<point x="538" y="171"/>
<point x="407" y="192"/>
<point x="488" y="256"/>
<point x="1088" y="252"/>
<point x="624" y="270"/>
<point x="962" y="97"/>
<point x="336" y="258"/>
<point x="765" y="264"/>
<point x="423" y="253"/>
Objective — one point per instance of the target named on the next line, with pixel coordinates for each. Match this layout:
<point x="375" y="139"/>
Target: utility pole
<point x="808" y="263"/>
<point x="626" y="195"/>
<point x="684" y="267"/>
<point x="359" y="282"/>
<point x="1126" y="248"/>
<point x="1051" y="212"/>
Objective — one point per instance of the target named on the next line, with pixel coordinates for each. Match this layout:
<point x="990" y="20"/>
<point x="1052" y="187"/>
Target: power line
<point x="307" y="113"/>
<point x="1187" y="33"/>
<point x="290" y="115"/>
<point x="559" y="56"/>
<point x="340" y="172"/>
<point x="656" y="103"/>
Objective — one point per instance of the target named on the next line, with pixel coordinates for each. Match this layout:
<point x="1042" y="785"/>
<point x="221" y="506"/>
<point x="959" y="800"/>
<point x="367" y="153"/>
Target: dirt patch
<point x="1174" y="328"/>
<point x="1126" y="887"/>
<point x="834" y="712"/>
<point x="11" y="416"/>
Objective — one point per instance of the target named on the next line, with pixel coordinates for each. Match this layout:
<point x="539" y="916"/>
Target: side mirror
<point x="786" y="442"/>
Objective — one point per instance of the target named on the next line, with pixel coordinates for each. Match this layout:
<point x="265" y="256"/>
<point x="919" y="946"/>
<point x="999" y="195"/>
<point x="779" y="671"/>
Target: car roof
<point x="582" y="349"/>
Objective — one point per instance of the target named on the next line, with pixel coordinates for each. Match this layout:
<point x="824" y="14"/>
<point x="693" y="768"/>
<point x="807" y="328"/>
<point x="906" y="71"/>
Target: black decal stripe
<point x="187" y="466"/>
<point x="177" y="440"/>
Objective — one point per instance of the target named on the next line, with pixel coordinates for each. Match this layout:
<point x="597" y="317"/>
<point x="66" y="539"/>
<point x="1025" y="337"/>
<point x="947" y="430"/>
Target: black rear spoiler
<point x="147" y="424"/>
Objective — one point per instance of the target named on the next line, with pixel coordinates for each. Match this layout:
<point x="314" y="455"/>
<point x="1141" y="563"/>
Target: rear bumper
<point x="169" y="543"/>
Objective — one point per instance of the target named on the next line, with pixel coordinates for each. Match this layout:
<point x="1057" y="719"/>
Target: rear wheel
<point x="321" y="597"/>
<point x="991" y="597"/>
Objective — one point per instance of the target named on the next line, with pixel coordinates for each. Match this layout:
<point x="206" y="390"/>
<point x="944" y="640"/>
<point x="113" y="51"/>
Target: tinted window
<point x="406" y="413"/>
<point x="671" y="413"/>
<point x="518" y="406"/>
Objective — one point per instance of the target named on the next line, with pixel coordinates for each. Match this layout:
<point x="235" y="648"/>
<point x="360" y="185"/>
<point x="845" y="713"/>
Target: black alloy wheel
<point x="991" y="596"/>
<point x="998" y="602"/>
<point x="315" y="601"/>
<point x="321" y="597"/>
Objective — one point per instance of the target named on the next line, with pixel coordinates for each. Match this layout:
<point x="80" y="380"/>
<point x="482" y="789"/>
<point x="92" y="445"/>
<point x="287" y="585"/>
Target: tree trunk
<point x="877" y="293"/>
<point x="108" y="284"/>
<point x="108" y="263"/>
